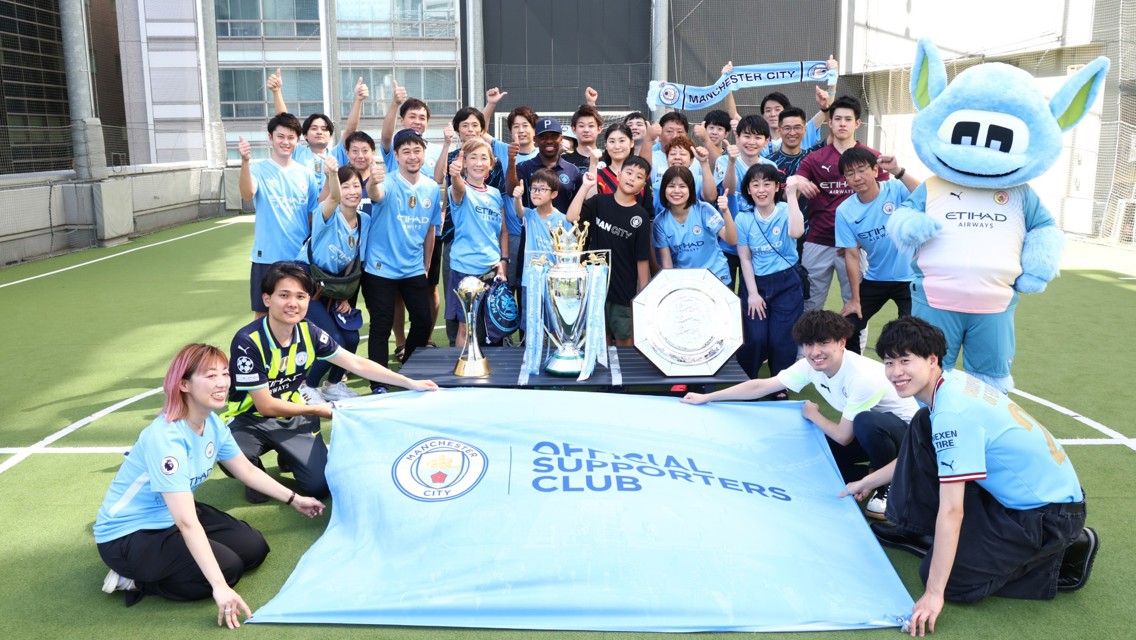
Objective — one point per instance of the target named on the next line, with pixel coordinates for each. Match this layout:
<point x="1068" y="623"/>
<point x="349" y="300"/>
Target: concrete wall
<point x="53" y="214"/>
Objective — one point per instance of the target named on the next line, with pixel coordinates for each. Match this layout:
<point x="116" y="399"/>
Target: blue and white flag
<point x="681" y="96"/>
<point x="564" y="510"/>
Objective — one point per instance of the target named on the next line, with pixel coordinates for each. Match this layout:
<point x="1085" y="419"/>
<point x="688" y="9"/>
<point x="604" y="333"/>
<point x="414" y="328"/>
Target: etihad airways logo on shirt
<point x="406" y="219"/>
<point x="975" y="219"/>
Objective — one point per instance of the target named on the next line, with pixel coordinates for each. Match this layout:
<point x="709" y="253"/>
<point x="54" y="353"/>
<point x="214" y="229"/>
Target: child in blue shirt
<point x="537" y="221"/>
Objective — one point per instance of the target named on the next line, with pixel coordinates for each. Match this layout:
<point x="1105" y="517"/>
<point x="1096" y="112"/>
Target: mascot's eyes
<point x="965" y="133"/>
<point x="999" y="138"/>
<point x="995" y="131"/>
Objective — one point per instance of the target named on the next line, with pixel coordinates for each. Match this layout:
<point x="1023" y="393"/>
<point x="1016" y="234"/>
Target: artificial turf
<point x="97" y="334"/>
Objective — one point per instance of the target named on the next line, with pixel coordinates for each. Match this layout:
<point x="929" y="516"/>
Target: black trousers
<point x="873" y="295"/>
<point x="296" y="441"/>
<point x="1012" y="553"/>
<point x="160" y="563"/>
<point x="878" y="435"/>
<point x="379" y="295"/>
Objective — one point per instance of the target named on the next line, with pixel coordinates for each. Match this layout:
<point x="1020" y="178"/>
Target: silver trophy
<point x="471" y="364"/>
<point x="566" y="301"/>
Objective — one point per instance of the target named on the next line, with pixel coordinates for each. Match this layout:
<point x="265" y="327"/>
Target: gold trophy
<point x="471" y="364"/>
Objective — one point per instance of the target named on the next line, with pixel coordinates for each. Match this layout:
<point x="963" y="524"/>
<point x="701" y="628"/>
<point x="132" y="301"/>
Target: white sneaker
<point x="114" y="582"/>
<point x="337" y="391"/>
<point x="877" y="503"/>
<point x="310" y="395"/>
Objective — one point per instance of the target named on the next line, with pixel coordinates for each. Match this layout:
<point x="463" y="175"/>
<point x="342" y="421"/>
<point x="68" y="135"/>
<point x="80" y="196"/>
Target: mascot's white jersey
<point x="971" y="265"/>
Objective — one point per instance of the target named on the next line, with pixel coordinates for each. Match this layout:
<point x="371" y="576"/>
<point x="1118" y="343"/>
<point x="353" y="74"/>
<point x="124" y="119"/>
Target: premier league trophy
<point x="471" y="364"/>
<point x="565" y="293"/>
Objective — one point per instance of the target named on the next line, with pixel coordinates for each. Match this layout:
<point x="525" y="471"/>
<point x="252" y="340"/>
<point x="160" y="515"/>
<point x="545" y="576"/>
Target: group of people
<point x="766" y="202"/>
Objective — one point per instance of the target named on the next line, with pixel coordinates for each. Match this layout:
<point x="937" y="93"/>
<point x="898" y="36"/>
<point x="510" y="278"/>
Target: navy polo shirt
<point x="570" y="180"/>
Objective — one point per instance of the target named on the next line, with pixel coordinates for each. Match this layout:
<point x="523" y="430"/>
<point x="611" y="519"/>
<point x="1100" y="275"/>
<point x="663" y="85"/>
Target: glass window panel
<point x="363" y="10"/>
<point x="411" y="79"/>
<point x="279" y="9"/>
<point x="307" y="10"/>
<point x="440" y="84"/>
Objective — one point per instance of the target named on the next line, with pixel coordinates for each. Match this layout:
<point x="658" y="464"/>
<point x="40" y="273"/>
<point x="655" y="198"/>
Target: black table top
<point x="627" y="368"/>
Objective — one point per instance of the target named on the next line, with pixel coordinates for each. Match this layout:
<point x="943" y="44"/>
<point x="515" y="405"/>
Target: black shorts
<point x="256" y="277"/>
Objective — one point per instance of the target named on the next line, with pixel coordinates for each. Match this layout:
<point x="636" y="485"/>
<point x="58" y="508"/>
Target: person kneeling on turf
<point x="873" y="418"/>
<point x="270" y="359"/>
<point x="151" y="533"/>
<point x="980" y="482"/>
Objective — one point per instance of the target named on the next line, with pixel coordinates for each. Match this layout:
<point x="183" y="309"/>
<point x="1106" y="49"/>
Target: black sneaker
<point x="892" y="536"/>
<point x="1078" y="561"/>
<point x="254" y="496"/>
<point x="376" y="390"/>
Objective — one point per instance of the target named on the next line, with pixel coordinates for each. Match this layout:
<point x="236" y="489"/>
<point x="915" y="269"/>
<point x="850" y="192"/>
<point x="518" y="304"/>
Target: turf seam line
<point x="1115" y="435"/>
<point x="90" y="262"/>
<point x="71" y="428"/>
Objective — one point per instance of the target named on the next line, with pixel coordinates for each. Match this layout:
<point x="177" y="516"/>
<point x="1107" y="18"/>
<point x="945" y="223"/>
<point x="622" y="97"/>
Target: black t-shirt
<point x="626" y="232"/>
<point x="581" y="161"/>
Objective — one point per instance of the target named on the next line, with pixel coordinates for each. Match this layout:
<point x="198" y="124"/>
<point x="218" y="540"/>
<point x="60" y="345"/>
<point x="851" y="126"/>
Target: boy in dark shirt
<point x="618" y="224"/>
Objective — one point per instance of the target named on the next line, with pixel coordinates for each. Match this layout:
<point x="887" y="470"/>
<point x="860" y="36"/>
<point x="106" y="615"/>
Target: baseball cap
<point x="545" y="125"/>
<point x="568" y="133"/>
<point x="407" y="133"/>
<point x="351" y="321"/>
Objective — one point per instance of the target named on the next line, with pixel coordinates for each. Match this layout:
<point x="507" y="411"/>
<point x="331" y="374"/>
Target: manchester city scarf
<point x="681" y="96"/>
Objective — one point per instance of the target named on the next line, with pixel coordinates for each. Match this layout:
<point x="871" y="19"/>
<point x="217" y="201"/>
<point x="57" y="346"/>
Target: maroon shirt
<point x="822" y="167"/>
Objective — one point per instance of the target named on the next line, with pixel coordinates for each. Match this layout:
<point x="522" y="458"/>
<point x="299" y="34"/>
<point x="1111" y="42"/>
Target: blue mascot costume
<point x="980" y="234"/>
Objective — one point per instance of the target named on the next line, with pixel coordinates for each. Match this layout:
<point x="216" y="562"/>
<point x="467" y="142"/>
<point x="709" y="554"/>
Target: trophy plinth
<point x="471" y="364"/>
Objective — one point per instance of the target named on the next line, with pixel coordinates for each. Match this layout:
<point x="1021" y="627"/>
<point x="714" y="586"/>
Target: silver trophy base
<point x="565" y="361"/>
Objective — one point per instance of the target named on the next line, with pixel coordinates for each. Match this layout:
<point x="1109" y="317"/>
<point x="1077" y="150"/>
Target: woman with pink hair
<point x="151" y="532"/>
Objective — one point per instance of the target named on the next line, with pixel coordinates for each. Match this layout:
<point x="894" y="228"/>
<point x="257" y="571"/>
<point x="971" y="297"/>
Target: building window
<point x="36" y="134"/>
<point x="438" y="87"/>
<point x="268" y="18"/>
<point x="434" y="19"/>
<point x="244" y="95"/>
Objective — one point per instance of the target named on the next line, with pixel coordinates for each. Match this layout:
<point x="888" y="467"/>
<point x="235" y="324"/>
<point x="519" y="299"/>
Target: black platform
<point x="627" y="368"/>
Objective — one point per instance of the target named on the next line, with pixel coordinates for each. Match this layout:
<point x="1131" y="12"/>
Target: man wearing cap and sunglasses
<point x="548" y="134"/>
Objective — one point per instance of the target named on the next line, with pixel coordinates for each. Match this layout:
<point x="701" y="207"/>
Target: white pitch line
<point x="1115" y="435"/>
<point x="74" y="426"/>
<point x="123" y="449"/>
<point x="90" y="262"/>
<point x="1090" y="441"/>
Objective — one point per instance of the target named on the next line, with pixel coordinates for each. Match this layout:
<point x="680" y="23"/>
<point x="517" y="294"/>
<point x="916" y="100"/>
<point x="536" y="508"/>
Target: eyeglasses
<point x="796" y="127"/>
<point x="539" y="190"/>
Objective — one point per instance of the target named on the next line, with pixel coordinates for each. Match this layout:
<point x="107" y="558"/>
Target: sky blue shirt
<point x="303" y="154"/>
<point x="771" y="247"/>
<point x="166" y="458"/>
<point x="429" y="159"/>
<point x="538" y="231"/>
<point x="980" y="435"/>
<point x="476" y="246"/>
<point x="399" y="225"/>
<point x="863" y="224"/>
<point x="284" y="198"/>
<point x="693" y="244"/>
<point x="334" y="244"/>
<point x="738" y="204"/>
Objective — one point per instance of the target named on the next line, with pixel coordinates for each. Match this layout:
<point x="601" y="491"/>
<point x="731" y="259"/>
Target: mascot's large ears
<point x="1073" y="99"/>
<point x="928" y="75"/>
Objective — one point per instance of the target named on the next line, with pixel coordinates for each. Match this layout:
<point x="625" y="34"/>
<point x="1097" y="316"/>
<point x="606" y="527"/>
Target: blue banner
<point x="682" y="96"/>
<point x="582" y="511"/>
